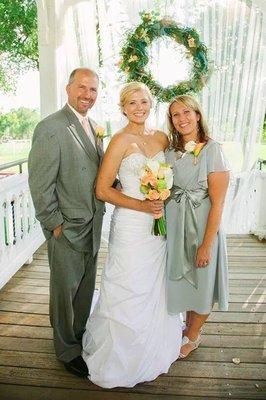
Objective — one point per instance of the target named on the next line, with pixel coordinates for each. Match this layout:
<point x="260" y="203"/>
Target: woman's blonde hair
<point x="203" y="131"/>
<point x="131" y="88"/>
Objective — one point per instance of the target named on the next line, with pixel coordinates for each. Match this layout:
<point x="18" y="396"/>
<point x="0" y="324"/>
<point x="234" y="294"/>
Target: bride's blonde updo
<point x="131" y="88"/>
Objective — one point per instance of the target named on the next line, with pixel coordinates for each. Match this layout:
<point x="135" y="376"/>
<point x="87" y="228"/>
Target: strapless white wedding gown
<point x="130" y="337"/>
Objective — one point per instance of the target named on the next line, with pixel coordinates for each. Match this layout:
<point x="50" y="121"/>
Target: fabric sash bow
<point x="188" y="200"/>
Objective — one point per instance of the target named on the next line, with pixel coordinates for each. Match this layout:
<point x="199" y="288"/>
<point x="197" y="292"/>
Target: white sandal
<point x="195" y="344"/>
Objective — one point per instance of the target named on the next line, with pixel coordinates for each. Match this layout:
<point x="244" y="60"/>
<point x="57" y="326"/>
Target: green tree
<point x="18" y="40"/>
<point x="18" y="124"/>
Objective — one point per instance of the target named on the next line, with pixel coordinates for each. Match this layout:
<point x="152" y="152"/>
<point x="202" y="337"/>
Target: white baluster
<point x="24" y="212"/>
<point x="20" y="233"/>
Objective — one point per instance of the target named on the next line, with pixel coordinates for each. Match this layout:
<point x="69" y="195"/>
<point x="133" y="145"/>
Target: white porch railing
<point x="245" y="207"/>
<point x="20" y="232"/>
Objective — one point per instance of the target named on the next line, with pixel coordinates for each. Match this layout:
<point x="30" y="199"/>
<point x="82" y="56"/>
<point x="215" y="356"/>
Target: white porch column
<point x="67" y="40"/>
<point x="47" y="56"/>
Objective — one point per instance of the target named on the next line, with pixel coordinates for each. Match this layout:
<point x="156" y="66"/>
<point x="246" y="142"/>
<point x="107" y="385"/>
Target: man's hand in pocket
<point x="57" y="232"/>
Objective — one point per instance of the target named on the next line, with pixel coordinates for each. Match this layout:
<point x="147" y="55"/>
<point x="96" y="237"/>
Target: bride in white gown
<point x="129" y="337"/>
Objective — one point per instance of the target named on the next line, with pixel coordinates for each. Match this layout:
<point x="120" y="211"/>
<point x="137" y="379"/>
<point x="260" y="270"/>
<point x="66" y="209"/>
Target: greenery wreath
<point x="135" y="55"/>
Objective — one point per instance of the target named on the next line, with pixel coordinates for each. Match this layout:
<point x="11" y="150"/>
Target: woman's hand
<point x="203" y="256"/>
<point x="154" y="207"/>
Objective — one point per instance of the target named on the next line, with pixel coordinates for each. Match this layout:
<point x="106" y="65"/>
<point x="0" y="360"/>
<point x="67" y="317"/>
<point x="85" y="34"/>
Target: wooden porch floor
<point x="29" y="369"/>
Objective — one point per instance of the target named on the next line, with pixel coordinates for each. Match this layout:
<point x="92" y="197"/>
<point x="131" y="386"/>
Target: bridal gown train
<point x="130" y="337"/>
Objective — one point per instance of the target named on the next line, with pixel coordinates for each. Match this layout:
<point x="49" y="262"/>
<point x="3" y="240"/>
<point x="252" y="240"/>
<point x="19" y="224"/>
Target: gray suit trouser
<point x="72" y="283"/>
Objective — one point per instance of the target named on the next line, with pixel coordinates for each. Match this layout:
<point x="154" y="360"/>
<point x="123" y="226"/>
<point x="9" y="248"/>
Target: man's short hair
<point x="73" y="73"/>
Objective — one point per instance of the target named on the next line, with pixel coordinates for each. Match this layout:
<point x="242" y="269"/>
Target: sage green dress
<point x="190" y="288"/>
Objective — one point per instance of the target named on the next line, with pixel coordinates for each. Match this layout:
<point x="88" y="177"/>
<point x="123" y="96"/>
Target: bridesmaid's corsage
<point x="194" y="148"/>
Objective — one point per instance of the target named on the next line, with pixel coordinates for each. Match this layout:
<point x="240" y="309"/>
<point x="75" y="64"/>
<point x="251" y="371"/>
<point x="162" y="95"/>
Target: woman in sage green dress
<point x="197" y="258"/>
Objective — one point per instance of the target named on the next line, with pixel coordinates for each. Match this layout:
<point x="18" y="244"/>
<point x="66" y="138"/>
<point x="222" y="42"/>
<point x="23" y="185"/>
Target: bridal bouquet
<point x="155" y="183"/>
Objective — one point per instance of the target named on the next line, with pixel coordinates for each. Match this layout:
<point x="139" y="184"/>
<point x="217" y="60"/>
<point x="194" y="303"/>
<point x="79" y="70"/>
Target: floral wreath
<point x="135" y="55"/>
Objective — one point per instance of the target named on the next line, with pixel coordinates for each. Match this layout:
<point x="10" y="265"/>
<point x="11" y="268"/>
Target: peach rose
<point x="153" y="195"/>
<point x="164" y="194"/>
<point x="149" y="178"/>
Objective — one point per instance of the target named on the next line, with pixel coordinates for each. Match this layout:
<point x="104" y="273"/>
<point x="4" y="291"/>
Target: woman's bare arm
<point x="217" y="187"/>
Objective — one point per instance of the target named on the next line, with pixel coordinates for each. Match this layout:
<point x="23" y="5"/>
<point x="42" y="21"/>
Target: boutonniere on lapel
<point x="194" y="148"/>
<point x="101" y="133"/>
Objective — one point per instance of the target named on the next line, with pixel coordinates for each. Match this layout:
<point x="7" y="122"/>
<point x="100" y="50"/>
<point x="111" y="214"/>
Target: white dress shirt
<point x="85" y="124"/>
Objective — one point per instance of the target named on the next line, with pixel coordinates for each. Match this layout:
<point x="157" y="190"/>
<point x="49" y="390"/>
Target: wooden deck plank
<point x="210" y="328"/>
<point x="178" y="369"/>
<point x="37" y="308"/>
<point x="9" y="317"/>
<point x="37" y="273"/>
<point x="254" y="284"/>
<point x="44" y="299"/>
<point x="14" y="392"/>
<point x="22" y="288"/>
<point x="233" y="388"/>
<point x="251" y="336"/>
<point x="208" y="354"/>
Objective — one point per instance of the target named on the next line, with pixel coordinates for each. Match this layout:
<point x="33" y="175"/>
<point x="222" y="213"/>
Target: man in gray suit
<point x="63" y="165"/>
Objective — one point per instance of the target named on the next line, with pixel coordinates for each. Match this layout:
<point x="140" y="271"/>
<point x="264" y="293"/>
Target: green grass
<point x="14" y="150"/>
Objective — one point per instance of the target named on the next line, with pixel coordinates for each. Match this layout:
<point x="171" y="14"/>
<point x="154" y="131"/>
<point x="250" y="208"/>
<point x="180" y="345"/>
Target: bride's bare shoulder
<point x="119" y="136"/>
<point x="163" y="137"/>
<point x="119" y="142"/>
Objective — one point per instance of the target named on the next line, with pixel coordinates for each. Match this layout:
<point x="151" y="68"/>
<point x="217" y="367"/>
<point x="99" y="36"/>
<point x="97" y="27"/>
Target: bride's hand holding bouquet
<point x="155" y="183"/>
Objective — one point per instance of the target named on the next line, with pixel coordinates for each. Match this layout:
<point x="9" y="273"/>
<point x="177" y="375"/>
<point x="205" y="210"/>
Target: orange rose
<point x="164" y="194"/>
<point x="153" y="195"/>
<point x="149" y="178"/>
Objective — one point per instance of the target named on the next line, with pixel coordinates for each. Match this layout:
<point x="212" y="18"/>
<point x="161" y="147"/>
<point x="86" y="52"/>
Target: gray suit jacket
<point x="63" y="165"/>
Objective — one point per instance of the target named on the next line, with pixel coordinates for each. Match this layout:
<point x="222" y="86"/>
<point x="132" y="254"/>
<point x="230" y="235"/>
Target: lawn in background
<point x="14" y="150"/>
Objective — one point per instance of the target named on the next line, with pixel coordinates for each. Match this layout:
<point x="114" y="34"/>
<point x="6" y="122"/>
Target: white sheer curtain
<point x="234" y="99"/>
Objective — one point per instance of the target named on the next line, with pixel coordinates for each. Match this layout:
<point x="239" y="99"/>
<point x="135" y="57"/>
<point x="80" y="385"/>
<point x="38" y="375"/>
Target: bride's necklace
<point x="142" y="139"/>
